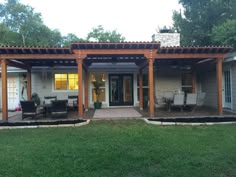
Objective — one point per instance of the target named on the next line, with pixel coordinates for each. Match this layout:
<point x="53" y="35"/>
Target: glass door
<point x="120" y="89"/>
<point x="227" y="89"/>
<point x="12" y="90"/>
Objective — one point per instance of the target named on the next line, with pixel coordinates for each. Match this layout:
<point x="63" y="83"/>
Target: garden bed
<point x="192" y="120"/>
<point x="48" y="123"/>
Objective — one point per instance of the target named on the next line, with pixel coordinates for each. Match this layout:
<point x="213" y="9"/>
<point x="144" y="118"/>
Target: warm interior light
<point x="93" y="78"/>
<point x="103" y="78"/>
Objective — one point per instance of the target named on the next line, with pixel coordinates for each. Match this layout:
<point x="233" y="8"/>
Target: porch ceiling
<point x="49" y="62"/>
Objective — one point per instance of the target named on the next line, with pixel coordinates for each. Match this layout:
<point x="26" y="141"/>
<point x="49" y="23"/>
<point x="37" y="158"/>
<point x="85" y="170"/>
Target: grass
<point x="119" y="148"/>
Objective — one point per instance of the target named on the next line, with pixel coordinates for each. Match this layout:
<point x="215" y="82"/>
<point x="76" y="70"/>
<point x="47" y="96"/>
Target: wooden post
<point x="86" y="90"/>
<point x="140" y="89"/>
<point x="151" y="86"/>
<point x="219" y="84"/>
<point x="4" y="90"/>
<point x="80" y="89"/>
<point x="28" y="84"/>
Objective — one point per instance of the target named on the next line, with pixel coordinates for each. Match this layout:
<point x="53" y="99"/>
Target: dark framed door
<point x="120" y="89"/>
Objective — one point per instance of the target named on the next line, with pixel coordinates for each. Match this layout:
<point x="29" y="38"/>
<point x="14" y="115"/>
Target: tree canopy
<point x="20" y="25"/>
<point x="201" y="22"/>
<point x="100" y="35"/>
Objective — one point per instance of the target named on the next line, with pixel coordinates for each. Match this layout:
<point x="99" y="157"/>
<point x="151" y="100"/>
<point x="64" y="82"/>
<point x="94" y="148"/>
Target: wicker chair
<point x="29" y="109"/>
<point x="59" y="108"/>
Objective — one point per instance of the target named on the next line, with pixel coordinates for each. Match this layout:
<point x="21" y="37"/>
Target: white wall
<point x="168" y="80"/>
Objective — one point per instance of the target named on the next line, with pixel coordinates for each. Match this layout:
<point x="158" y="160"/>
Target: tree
<point x="7" y="37"/>
<point x="225" y="34"/>
<point x="22" y="20"/>
<point x="71" y="38"/>
<point x="199" y="17"/>
<point x="100" y="35"/>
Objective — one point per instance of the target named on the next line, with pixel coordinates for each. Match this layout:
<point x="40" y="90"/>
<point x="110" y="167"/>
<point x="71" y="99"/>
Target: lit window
<point x="65" y="81"/>
<point x="73" y="81"/>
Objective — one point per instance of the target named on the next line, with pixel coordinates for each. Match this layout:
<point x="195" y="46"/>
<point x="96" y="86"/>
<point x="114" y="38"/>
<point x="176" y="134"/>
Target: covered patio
<point x="145" y="55"/>
<point x="125" y="113"/>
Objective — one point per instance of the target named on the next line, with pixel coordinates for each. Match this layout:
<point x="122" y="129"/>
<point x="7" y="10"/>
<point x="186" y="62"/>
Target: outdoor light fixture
<point x="93" y="78"/>
<point x="103" y="78"/>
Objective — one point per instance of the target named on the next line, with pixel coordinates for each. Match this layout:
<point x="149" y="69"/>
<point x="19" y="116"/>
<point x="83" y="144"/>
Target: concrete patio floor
<point x="127" y="112"/>
<point x="117" y="113"/>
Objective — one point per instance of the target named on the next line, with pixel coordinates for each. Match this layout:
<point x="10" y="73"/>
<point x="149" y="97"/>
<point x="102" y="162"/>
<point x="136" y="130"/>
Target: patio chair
<point x="73" y="101"/>
<point x="191" y="100"/>
<point x="168" y="95"/>
<point x="48" y="99"/>
<point x="29" y="109"/>
<point x="59" y="108"/>
<point x="201" y="98"/>
<point x="178" y="101"/>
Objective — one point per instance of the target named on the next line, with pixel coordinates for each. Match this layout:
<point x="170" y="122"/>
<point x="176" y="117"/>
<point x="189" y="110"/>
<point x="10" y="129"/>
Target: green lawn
<point x="119" y="148"/>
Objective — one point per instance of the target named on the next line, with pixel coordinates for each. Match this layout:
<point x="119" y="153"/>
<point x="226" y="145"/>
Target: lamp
<point x="103" y="78"/>
<point x="93" y="78"/>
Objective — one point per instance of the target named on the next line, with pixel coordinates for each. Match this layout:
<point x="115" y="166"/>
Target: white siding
<point x="167" y="81"/>
<point x="208" y="85"/>
<point x="43" y="86"/>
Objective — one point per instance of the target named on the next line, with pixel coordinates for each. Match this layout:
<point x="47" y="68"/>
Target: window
<point x="99" y="77"/>
<point x="66" y="81"/>
<point x="145" y="85"/>
<point x="187" y="82"/>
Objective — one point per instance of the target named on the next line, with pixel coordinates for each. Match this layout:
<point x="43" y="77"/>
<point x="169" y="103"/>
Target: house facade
<point x="130" y="71"/>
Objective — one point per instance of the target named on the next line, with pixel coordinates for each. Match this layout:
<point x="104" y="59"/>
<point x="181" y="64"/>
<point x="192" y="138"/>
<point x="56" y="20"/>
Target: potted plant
<point x="36" y="99"/>
<point x="98" y="83"/>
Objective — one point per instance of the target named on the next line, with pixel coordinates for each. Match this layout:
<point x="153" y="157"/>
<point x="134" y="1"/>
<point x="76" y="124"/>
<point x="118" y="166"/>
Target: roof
<point x="115" y="45"/>
<point x="106" y="52"/>
<point x="34" y="50"/>
<point x="195" y="50"/>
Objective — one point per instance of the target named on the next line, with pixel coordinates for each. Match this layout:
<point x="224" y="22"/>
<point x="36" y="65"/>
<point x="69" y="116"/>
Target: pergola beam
<point x="187" y="56"/>
<point x="38" y="56"/>
<point x="29" y="85"/>
<point x="4" y="90"/>
<point x="84" y="52"/>
<point x="80" y="89"/>
<point x="219" y="84"/>
<point x="18" y="65"/>
<point x="151" y="86"/>
<point x="143" y="64"/>
<point x="140" y="89"/>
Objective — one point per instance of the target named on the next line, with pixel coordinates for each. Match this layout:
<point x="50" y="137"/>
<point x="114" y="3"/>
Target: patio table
<point x="47" y="108"/>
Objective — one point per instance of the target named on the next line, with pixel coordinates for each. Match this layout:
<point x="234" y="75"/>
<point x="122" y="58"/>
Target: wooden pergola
<point x="84" y="54"/>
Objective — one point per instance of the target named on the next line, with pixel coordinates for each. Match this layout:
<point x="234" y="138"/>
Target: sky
<point x="136" y="20"/>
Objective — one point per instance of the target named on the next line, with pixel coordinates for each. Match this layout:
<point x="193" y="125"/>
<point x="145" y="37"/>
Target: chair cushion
<point x="72" y="101"/>
<point x="48" y="101"/>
